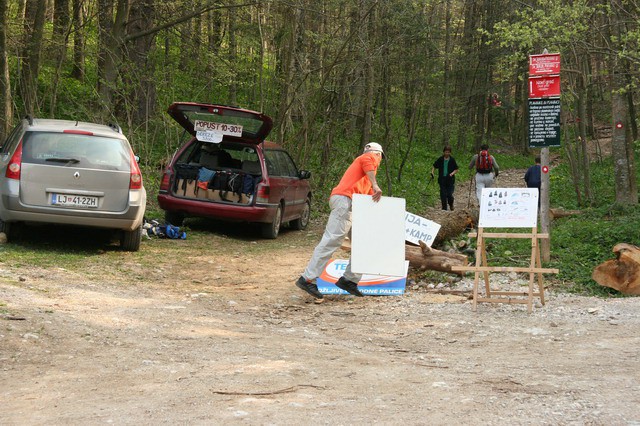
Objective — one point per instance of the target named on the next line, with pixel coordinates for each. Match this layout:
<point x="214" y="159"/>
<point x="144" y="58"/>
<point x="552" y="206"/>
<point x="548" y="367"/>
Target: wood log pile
<point x="424" y="257"/>
<point x="621" y="273"/>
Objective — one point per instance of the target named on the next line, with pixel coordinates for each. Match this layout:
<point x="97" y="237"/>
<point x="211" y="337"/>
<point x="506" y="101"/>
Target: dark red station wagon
<point x="227" y="171"/>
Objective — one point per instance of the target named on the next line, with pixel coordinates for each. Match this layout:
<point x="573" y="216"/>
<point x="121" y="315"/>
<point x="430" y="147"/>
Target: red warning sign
<point x="544" y="87"/>
<point x="544" y="64"/>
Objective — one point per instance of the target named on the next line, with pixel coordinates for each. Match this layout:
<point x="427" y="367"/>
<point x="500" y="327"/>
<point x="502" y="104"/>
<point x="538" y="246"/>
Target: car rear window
<point x="78" y="150"/>
<point x="223" y="155"/>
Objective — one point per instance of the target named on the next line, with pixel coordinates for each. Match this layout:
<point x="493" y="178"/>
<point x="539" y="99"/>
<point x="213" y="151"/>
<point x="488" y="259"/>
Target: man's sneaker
<point x="309" y="287"/>
<point x="349" y="286"/>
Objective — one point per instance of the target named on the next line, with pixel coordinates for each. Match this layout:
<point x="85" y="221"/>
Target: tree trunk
<point x="61" y="31"/>
<point x="452" y="223"/>
<point x="112" y="34"/>
<point x="6" y="109"/>
<point x="233" y="57"/>
<point x="286" y="62"/>
<point x="141" y="83"/>
<point x="77" y="71"/>
<point x="621" y="145"/>
<point x="582" y="132"/>
<point x="34" y="29"/>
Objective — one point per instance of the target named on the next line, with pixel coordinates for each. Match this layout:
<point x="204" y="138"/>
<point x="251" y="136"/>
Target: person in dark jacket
<point x="447" y="169"/>
<point x="532" y="176"/>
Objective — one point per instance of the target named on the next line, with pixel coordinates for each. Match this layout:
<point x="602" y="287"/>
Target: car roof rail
<point x="115" y="127"/>
<point x="29" y="118"/>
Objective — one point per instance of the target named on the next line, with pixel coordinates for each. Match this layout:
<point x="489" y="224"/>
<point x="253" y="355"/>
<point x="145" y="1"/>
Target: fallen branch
<point x="285" y="390"/>
<point x="467" y="293"/>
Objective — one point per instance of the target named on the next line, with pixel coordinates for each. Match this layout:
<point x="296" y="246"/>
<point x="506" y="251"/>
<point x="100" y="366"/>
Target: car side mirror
<point x="304" y="174"/>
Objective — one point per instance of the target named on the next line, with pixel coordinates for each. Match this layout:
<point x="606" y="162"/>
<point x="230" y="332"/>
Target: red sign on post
<point x="544" y="87"/>
<point x="544" y="64"/>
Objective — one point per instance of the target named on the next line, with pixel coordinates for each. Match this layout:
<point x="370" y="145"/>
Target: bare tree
<point x="33" y="35"/>
<point x="6" y="110"/>
<point x="78" y="68"/>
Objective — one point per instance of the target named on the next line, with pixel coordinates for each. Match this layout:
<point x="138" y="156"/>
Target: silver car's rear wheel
<point x="130" y="240"/>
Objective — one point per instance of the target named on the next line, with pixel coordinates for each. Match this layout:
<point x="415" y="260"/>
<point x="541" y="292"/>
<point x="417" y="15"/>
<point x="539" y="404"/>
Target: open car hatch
<point x="212" y="123"/>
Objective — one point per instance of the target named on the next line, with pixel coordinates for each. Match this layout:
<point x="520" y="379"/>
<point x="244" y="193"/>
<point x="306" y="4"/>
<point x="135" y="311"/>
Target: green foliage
<point x="581" y="242"/>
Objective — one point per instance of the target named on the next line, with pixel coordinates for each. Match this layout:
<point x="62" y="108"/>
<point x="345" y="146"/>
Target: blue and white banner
<point x="370" y="285"/>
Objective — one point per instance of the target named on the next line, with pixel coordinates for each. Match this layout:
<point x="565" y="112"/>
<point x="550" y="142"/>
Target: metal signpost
<point x="544" y="125"/>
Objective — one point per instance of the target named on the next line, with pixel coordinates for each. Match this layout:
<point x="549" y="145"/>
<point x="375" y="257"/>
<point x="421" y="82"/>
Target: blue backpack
<point x="173" y="232"/>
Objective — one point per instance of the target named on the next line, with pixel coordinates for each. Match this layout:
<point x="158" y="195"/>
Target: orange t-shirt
<point x="355" y="180"/>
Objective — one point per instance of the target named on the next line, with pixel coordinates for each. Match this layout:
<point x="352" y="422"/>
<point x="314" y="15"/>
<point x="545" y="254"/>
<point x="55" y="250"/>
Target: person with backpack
<point x="359" y="178"/>
<point x="447" y="168"/>
<point x="486" y="169"/>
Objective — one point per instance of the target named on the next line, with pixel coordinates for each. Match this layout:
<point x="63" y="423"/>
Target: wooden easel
<point x="482" y="266"/>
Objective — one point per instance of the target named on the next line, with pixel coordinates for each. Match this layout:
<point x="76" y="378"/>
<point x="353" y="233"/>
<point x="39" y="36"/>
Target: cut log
<point x="427" y="258"/>
<point x="452" y="223"/>
<point x="622" y="273"/>
<point x="557" y="213"/>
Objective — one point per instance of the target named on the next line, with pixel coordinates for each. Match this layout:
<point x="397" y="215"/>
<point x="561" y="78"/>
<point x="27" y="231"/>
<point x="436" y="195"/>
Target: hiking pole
<point x="470" y="185"/>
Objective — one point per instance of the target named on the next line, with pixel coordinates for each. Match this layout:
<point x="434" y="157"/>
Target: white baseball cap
<point x="374" y="146"/>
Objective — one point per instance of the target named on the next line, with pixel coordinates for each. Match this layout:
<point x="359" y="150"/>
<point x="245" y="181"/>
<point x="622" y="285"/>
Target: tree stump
<point x="622" y="273"/>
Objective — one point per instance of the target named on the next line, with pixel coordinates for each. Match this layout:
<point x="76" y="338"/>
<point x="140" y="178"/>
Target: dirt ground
<point x="224" y="337"/>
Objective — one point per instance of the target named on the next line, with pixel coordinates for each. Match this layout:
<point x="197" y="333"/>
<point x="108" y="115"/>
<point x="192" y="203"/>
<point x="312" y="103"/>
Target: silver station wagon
<point x="71" y="173"/>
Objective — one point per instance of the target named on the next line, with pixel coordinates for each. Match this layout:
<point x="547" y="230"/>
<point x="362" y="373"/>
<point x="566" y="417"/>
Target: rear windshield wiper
<point x="63" y="160"/>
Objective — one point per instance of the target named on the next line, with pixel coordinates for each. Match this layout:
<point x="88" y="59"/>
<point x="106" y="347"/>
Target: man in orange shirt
<point x="360" y="178"/>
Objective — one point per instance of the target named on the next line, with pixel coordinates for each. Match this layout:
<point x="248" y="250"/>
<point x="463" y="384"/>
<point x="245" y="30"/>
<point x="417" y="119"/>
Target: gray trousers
<point x="338" y="226"/>
<point x="483" y="180"/>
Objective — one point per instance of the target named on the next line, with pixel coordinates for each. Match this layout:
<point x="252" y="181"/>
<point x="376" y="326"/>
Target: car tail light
<point x="135" y="182"/>
<point x="166" y="180"/>
<point x="262" y="193"/>
<point x="15" y="164"/>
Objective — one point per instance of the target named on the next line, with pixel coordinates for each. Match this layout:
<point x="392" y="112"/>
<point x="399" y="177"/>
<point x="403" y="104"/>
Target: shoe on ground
<point x="309" y="287"/>
<point x="349" y="286"/>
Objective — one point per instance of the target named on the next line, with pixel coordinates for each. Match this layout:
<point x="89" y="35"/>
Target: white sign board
<point x="377" y="236"/>
<point x="509" y="208"/>
<point x="420" y="229"/>
<point x="222" y="128"/>
<point x="206" y="136"/>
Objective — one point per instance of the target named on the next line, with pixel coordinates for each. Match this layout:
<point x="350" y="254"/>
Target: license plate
<point x="68" y="200"/>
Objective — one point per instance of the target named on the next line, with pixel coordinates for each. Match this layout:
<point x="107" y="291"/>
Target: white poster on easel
<point x="509" y="208"/>
<point x="377" y="236"/>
